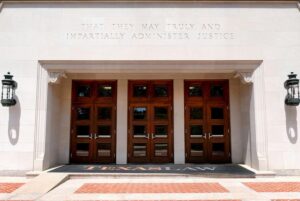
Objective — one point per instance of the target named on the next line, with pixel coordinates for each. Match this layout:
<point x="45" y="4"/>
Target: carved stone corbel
<point x="55" y="77"/>
<point x="298" y="4"/>
<point x="245" y="77"/>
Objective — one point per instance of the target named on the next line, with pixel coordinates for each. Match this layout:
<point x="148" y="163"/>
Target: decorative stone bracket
<point x="55" y="77"/>
<point x="298" y="4"/>
<point x="245" y="77"/>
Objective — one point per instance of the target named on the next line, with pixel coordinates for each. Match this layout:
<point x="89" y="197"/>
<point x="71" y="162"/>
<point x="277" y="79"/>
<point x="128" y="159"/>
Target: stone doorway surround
<point x="250" y="72"/>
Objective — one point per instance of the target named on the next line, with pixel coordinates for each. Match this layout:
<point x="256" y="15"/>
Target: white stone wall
<point x="270" y="32"/>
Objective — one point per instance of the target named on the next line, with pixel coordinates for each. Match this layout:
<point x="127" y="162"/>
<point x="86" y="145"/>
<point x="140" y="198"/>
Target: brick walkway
<point x="9" y="187"/>
<point x="164" y="189"/>
<point x="274" y="186"/>
<point x="153" y="188"/>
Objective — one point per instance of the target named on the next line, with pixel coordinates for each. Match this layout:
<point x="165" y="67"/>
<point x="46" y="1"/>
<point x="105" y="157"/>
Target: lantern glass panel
<point x="7" y="92"/>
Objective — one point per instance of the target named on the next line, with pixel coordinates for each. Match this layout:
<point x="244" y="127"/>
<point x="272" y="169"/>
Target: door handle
<point x="204" y="136"/>
<point x="147" y="136"/>
<point x="152" y="136"/>
<point x="209" y="136"/>
<point x="91" y="136"/>
<point x="95" y="136"/>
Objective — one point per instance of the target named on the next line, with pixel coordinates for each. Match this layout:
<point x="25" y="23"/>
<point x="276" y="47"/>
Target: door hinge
<point x="228" y="131"/>
<point x="184" y="107"/>
<point x="171" y="108"/>
<point x="114" y="155"/>
<point x="185" y="131"/>
<point x="186" y="155"/>
<point x="171" y="155"/>
<point x="229" y="154"/>
<point x="227" y="107"/>
<point x="71" y="155"/>
<point x="72" y="130"/>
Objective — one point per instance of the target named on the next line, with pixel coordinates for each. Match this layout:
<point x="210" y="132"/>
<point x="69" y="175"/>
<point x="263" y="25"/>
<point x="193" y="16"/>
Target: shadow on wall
<point x="14" y="122"/>
<point x="291" y="123"/>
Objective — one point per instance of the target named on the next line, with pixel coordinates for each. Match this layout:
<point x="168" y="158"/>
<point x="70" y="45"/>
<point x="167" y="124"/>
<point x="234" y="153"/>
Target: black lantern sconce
<point x="8" y="90"/>
<point x="292" y="86"/>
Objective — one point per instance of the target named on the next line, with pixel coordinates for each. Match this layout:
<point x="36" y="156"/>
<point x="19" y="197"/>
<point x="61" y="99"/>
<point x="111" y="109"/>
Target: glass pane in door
<point x="139" y="149"/>
<point x="140" y="113"/>
<point x="83" y="91"/>
<point x="217" y="130"/>
<point x="105" y="90"/>
<point x="196" y="149"/>
<point x="218" y="149"/>
<point x="217" y="113"/>
<point x="196" y="130"/>
<point x="104" y="131"/>
<point x="161" y="131"/>
<point x="104" y="113"/>
<point x="82" y="131"/>
<point x="82" y="149"/>
<point x="140" y="91"/>
<point x="160" y="91"/>
<point x="104" y="149"/>
<point x="161" y="149"/>
<point x="139" y="131"/>
<point x="216" y="91"/>
<point x="196" y="113"/>
<point x="83" y="113"/>
<point x="195" y="91"/>
<point x="161" y="113"/>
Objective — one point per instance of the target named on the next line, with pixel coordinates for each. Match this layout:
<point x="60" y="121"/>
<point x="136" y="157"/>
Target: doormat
<point x="210" y="170"/>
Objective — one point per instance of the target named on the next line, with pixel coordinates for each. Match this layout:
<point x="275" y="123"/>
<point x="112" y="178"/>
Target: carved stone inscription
<point x="151" y="31"/>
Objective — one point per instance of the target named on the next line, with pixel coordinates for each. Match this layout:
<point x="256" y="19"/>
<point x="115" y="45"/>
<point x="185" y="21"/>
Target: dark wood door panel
<point x="207" y="133"/>
<point x="93" y="122"/>
<point x="150" y="121"/>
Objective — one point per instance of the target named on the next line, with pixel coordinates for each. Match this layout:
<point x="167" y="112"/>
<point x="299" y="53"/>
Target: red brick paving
<point x="286" y="200"/>
<point x="9" y="187"/>
<point x="152" y="188"/>
<point x="274" y="186"/>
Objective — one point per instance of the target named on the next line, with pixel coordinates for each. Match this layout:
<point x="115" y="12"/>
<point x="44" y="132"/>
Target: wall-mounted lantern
<point x="8" y="90"/>
<point x="292" y="86"/>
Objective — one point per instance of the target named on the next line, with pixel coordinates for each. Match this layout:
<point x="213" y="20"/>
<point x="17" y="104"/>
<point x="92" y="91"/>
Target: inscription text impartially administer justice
<point x="151" y="31"/>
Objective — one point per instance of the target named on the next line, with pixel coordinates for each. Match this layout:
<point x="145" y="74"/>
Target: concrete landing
<point x="39" y="186"/>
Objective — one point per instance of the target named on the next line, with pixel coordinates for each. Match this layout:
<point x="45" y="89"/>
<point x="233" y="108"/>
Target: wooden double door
<point x="150" y="121"/>
<point x="207" y="133"/>
<point x="93" y="124"/>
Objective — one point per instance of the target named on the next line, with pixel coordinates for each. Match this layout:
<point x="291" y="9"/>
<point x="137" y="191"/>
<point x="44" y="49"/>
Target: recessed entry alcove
<point x="245" y="109"/>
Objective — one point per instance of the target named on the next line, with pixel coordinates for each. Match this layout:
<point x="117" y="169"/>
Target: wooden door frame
<point x="93" y="101"/>
<point x="205" y="101"/>
<point x="150" y="101"/>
